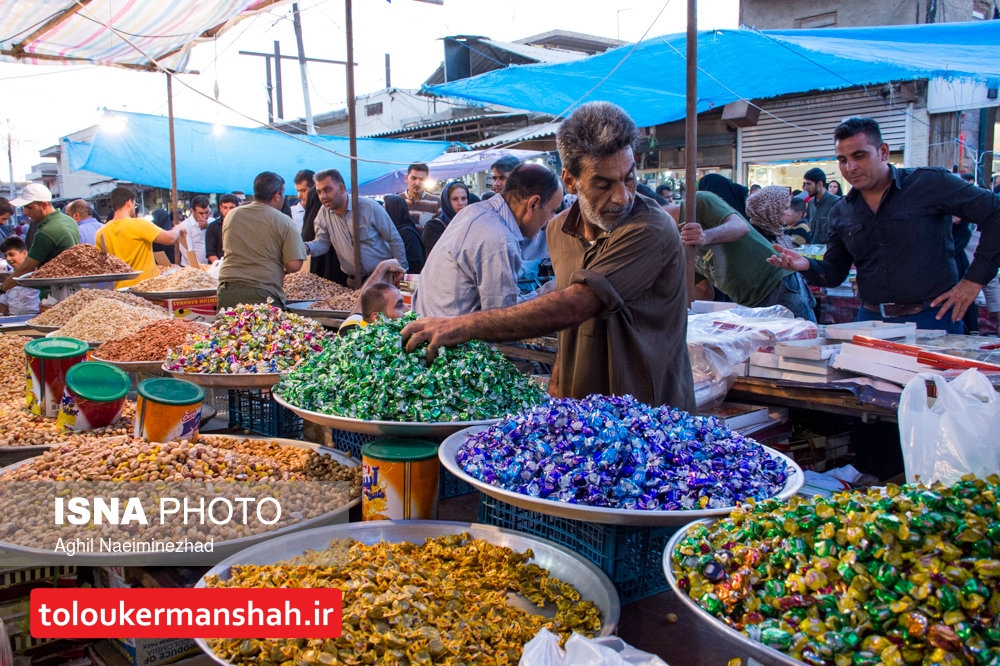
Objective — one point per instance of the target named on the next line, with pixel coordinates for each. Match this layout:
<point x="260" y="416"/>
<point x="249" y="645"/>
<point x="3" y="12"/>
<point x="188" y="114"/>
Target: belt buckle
<point x="881" y="309"/>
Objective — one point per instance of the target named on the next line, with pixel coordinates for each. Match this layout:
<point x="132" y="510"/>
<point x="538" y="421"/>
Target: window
<point x="818" y="21"/>
<point x="373" y="109"/>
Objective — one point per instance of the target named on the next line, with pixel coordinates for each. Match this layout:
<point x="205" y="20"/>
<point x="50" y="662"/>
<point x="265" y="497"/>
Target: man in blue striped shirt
<point x="475" y="264"/>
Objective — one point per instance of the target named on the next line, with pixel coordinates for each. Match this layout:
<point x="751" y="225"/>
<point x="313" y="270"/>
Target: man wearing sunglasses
<point x="56" y="231"/>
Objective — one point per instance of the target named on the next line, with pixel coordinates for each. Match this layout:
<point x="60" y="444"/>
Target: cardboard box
<point x="196" y="309"/>
<point x="149" y="651"/>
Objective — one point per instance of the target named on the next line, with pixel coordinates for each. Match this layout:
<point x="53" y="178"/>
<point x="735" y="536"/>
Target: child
<point x="377" y="298"/>
<point x="19" y="300"/>
<point x="379" y="295"/>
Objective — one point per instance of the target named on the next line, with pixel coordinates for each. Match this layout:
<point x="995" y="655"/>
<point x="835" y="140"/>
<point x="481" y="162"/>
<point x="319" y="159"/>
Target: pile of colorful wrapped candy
<point x="367" y="375"/>
<point x="249" y="339"/>
<point x="619" y="453"/>
<point x="895" y="575"/>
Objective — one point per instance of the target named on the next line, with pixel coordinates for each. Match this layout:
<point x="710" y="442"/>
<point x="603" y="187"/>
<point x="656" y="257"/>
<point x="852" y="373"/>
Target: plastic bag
<point x="719" y="343"/>
<point x="544" y="650"/>
<point x="953" y="434"/>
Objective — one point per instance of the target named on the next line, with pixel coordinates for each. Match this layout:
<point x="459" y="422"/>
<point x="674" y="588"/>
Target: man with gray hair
<point x="86" y="223"/>
<point x="620" y="306"/>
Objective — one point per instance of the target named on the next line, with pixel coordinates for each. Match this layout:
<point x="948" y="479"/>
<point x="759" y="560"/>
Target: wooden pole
<point x="691" y="140"/>
<point x="352" y="125"/>
<point x="173" y="160"/>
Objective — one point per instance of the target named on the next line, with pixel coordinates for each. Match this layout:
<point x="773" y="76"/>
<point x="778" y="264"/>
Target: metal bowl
<point x="245" y="380"/>
<point x="43" y="329"/>
<point x="416" y="429"/>
<point x="302" y="308"/>
<point x="165" y="295"/>
<point x="28" y="281"/>
<point x="564" y="564"/>
<point x="749" y="646"/>
<point x="133" y="366"/>
<point x="223" y="549"/>
<point x="448" y="452"/>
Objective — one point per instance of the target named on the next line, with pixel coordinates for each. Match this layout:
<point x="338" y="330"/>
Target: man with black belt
<point x="895" y="227"/>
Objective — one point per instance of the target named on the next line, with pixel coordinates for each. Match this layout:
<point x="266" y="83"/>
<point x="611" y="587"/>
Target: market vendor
<point x="131" y="238"/>
<point x="620" y="306"/>
<point x="334" y="228"/>
<point x="262" y="244"/>
<point x="732" y="256"/>
<point x="476" y="262"/>
<point x="56" y="231"/>
<point x="895" y="226"/>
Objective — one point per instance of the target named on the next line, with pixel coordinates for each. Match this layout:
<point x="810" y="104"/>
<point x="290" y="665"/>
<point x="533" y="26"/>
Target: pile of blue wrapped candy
<point x="616" y="452"/>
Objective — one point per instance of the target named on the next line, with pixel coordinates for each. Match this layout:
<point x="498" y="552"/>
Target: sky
<point x="42" y="104"/>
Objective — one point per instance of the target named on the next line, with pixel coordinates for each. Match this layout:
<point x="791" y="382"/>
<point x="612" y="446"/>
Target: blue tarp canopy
<point x="447" y="167"/>
<point x="648" y="79"/>
<point x="135" y="148"/>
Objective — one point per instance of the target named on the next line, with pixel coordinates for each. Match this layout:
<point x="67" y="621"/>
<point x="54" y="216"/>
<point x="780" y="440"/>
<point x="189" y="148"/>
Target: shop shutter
<point x="809" y="121"/>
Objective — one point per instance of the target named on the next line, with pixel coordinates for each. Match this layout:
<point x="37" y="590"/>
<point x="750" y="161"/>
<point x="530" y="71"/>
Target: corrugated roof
<point x="528" y="133"/>
<point x="449" y="121"/>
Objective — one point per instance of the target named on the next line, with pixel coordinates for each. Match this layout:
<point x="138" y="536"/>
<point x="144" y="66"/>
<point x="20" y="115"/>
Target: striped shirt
<point x="379" y="238"/>
<point x="474" y="266"/>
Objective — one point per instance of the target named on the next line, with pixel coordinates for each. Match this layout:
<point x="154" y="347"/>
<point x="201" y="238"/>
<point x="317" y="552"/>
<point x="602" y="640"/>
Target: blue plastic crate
<point x="632" y="557"/>
<point x="350" y="442"/>
<point x="450" y="485"/>
<point x="256" y="411"/>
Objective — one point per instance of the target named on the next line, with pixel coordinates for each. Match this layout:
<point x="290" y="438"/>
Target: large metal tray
<point x="28" y="281"/>
<point x="750" y="647"/>
<point x="448" y="451"/>
<point x="222" y="548"/>
<point x="247" y="380"/>
<point x="133" y="366"/>
<point x="43" y="329"/>
<point x="17" y="322"/>
<point x="302" y="308"/>
<point x="164" y="295"/>
<point x="592" y="583"/>
<point x="388" y="428"/>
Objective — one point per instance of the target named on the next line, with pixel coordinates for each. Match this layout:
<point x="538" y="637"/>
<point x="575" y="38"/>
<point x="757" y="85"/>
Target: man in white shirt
<point x="195" y="226"/>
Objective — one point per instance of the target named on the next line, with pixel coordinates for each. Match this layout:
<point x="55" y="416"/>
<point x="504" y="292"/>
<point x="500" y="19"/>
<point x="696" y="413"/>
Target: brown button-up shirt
<point x="637" y="343"/>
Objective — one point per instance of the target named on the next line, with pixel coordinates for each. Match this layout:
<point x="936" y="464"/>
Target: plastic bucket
<point x="94" y="396"/>
<point x="47" y="360"/>
<point x="168" y="410"/>
<point x="399" y="480"/>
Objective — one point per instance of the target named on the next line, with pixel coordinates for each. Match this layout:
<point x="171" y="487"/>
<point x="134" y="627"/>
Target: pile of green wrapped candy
<point x="366" y="374"/>
<point x="894" y="575"/>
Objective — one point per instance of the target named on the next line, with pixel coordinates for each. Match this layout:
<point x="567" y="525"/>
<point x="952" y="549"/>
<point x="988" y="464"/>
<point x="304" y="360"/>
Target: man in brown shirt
<point x="620" y="305"/>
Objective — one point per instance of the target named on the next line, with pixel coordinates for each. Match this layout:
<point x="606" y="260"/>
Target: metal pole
<point x="277" y="79"/>
<point x="173" y="160"/>
<point x="270" y="92"/>
<point x="10" y="159"/>
<point x="691" y="139"/>
<point x="297" y="25"/>
<point x="352" y="125"/>
<point x="388" y="77"/>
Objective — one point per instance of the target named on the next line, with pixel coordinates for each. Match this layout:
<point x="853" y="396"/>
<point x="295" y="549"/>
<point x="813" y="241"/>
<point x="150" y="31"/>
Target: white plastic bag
<point x="544" y="650"/>
<point x="956" y="433"/>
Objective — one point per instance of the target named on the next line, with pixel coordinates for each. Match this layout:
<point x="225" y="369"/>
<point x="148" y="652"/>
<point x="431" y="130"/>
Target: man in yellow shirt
<point x="131" y="238"/>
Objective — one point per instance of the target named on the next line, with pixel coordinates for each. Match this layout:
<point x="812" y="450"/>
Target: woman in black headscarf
<point x="452" y="201"/>
<point x="398" y="211"/>
<point x="732" y="193"/>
